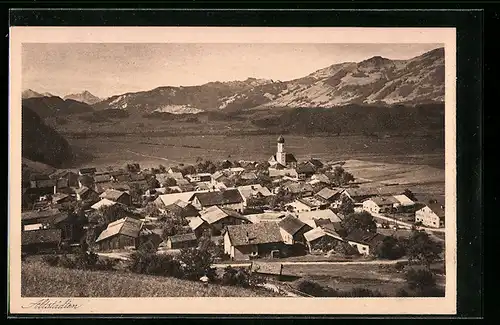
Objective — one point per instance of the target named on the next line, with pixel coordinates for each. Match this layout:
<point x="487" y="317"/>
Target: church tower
<point x="280" y="153"/>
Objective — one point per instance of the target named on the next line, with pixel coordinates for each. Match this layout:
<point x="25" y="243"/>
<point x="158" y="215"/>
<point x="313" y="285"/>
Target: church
<point x="282" y="159"/>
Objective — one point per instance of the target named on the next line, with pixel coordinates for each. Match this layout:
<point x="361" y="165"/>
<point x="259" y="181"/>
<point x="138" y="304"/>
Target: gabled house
<point x="120" y="234"/>
<point x="182" y="209"/>
<point x="218" y="218"/>
<point x="200" y="177"/>
<point x="117" y="196"/>
<point x="318" y="236"/>
<point x="298" y="189"/>
<point x="249" y="176"/>
<point x="40" y="241"/>
<point x="431" y="215"/>
<point x="242" y="242"/>
<point x="380" y="204"/>
<point x="310" y="217"/>
<point x="86" y="194"/>
<point x="305" y="171"/>
<point x="42" y="181"/>
<point x="60" y="198"/>
<point x="103" y="203"/>
<point x="364" y="241"/>
<point x="403" y="201"/>
<point x="229" y="199"/>
<point x="182" y="241"/>
<point x="315" y="163"/>
<point x="70" y="176"/>
<point x="329" y="195"/>
<point x="358" y="195"/>
<point x="165" y="200"/>
<point x="292" y="230"/>
<point x="253" y="191"/>
<point x="71" y="227"/>
<point x="306" y="204"/>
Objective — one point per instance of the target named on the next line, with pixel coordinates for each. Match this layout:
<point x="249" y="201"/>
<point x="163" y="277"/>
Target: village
<point x="252" y="212"/>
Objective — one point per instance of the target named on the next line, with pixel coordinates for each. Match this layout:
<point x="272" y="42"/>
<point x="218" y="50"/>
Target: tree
<point x="174" y="225"/>
<point x="187" y="170"/>
<point x="409" y="194"/>
<point x="340" y="177"/>
<point x="422" y="249"/>
<point x="359" y="220"/>
<point x="162" y="169"/>
<point x="346" y="206"/>
<point x="136" y="192"/>
<point x="133" y="168"/>
<point x="420" y="280"/>
<point x="390" y="248"/>
<point x="280" y="199"/>
<point x="196" y="263"/>
<point x="206" y="167"/>
<point x="169" y="182"/>
<point x="152" y="210"/>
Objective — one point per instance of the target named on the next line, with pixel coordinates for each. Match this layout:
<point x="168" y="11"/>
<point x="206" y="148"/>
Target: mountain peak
<point x="85" y="97"/>
<point x="30" y="93"/>
<point x="376" y="61"/>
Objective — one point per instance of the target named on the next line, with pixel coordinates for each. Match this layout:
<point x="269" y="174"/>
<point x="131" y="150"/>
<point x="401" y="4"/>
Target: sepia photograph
<point x="277" y="164"/>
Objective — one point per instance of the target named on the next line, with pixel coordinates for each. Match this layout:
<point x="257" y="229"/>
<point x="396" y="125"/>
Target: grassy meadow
<point x="40" y="280"/>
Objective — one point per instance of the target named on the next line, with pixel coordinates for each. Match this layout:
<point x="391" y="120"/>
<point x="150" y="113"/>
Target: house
<point x="236" y="170"/>
<point x="253" y="191"/>
<point x="358" y="195"/>
<point x="306" y="204"/>
<point x="281" y="171"/>
<point x="62" y="186"/>
<point x="70" y="176"/>
<point x="71" y="227"/>
<point x="200" y="177"/>
<point x="86" y="180"/>
<point x="120" y="176"/>
<point x="287" y="160"/>
<point x="315" y="163"/>
<point x="42" y="181"/>
<point x="403" y="201"/>
<point x="165" y="200"/>
<point x="153" y="192"/>
<point x="229" y="199"/>
<point x="102" y="178"/>
<point x="431" y="215"/>
<point x="182" y="209"/>
<point x="149" y="239"/>
<point x="242" y="242"/>
<point x="120" y="234"/>
<point x="117" y="196"/>
<point x="249" y="176"/>
<point x="320" y="179"/>
<point x="318" y="236"/>
<point x="265" y="217"/>
<point x="380" y="204"/>
<point x="364" y="241"/>
<point x="218" y="218"/>
<point x="32" y="220"/>
<point x="292" y="230"/>
<point x="298" y="189"/>
<point x="86" y="194"/>
<point x="329" y="195"/>
<point x="40" y="241"/>
<point x="173" y="170"/>
<point x="60" y="198"/>
<point x="309" y="217"/>
<point x="87" y="171"/>
<point x="103" y="203"/>
<point x="182" y="241"/>
<point x="218" y="175"/>
<point x="304" y="171"/>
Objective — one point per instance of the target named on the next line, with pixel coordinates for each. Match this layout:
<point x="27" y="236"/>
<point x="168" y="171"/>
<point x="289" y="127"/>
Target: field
<point x="40" y="280"/>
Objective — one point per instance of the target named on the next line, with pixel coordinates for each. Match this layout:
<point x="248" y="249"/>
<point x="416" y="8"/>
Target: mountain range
<point x="375" y="81"/>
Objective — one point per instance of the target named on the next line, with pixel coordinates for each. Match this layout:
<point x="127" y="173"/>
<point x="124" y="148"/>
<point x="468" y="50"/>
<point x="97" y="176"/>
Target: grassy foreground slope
<point x="40" y="280"/>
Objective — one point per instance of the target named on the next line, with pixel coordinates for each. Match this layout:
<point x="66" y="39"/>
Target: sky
<point x="107" y="69"/>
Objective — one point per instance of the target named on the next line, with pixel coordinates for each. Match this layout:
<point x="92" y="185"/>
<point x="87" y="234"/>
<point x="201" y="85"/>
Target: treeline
<point x="55" y="106"/>
<point x="42" y="143"/>
<point x="104" y="116"/>
<point x="357" y="119"/>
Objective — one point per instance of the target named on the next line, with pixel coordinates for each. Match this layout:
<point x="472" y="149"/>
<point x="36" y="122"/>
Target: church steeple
<point x="280" y="153"/>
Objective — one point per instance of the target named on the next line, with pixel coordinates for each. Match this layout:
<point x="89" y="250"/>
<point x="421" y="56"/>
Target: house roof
<point x="230" y="196"/>
<point x="265" y="217"/>
<point x="315" y="162"/>
<point x="383" y="200"/>
<point x="103" y="203"/>
<point x="122" y="177"/>
<point x="41" y="236"/>
<point x="361" y="192"/>
<point x="314" y="234"/>
<point x="289" y="158"/>
<point x="291" y="224"/>
<point x="45" y="183"/>
<point x="305" y="169"/>
<point x="182" y="238"/>
<point x="112" y="194"/>
<point x="218" y="174"/>
<point x="322" y="178"/>
<point x="62" y="173"/>
<point x="126" y="226"/>
<point x="403" y="199"/>
<point x="182" y="209"/>
<point x="134" y="177"/>
<point x="437" y="208"/>
<point x="249" y="175"/>
<point x="248" y="191"/>
<point x="365" y="237"/>
<point x="196" y="222"/>
<point x="254" y="233"/>
<point x="295" y="187"/>
<point x="215" y="213"/>
<point x="168" y="199"/>
<point x="328" y="193"/>
<point x="318" y="214"/>
<point x="49" y="213"/>
<point x="39" y="177"/>
<point x="82" y="190"/>
<point x="103" y="178"/>
<point x="59" y="197"/>
<point x="311" y="201"/>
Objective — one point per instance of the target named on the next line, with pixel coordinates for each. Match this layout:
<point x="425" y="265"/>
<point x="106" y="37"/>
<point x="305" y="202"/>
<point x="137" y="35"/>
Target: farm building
<point x="182" y="241"/>
<point x="299" y="189"/>
<point x="432" y="215"/>
<point x="364" y="241"/>
<point x="41" y="181"/>
<point x="358" y="195"/>
<point x="120" y="234"/>
<point x="229" y="199"/>
<point x="309" y="217"/>
<point x="40" y="241"/>
<point x="103" y="203"/>
<point x="328" y="194"/>
<point x="403" y="200"/>
<point x="71" y="227"/>
<point x="253" y="191"/>
<point x="292" y="230"/>
<point x="263" y="239"/>
<point x="70" y="176"/>
<point x="318" y="238"/>
<point x="165" y="200"/>
<point x="117" y="196"/>
<point x="182" y="209"/>
<point x="305" y="171"/>
<point x="218" y="218"/>
<point x="380" y="204"/>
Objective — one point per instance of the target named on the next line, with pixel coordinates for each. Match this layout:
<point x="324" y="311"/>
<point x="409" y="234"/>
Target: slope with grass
<point x="40" y="280"/>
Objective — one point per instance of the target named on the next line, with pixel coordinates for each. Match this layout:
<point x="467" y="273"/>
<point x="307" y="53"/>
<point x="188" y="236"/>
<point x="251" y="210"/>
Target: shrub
<point x="236" y="277"/>
<point x="420" y="280"/>
<point x="315" y="289"/>
<point x="399" y="266"/>
<point x="390" y="248"/>
<point x="154" y="264"/>
<point x="401" y="292"/>
<point x="362" y="292"/>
